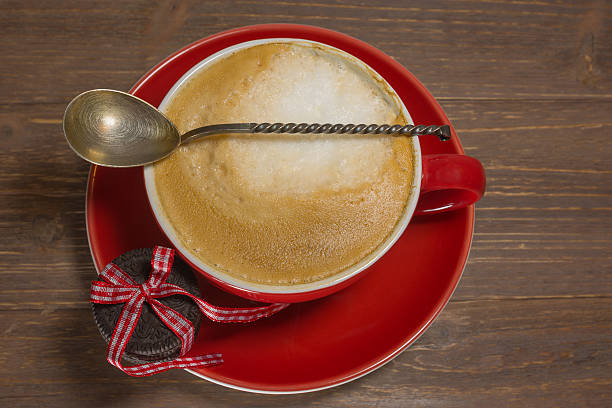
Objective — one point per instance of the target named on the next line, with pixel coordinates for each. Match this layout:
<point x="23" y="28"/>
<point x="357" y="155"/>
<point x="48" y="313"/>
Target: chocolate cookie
<point x="151" y="340"/>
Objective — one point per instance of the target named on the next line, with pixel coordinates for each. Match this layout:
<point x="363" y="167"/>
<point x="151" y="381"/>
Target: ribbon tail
<point x="237" y="315"/>
<point x="143" y="370"/>
<point x="222" y="314"/>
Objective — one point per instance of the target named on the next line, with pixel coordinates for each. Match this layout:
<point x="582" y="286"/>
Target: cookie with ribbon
<point x="156" y="310"/>
<point x="151" y="339"/>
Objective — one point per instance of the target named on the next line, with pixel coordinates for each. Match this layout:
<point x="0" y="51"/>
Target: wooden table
<point x="528" y="87"/>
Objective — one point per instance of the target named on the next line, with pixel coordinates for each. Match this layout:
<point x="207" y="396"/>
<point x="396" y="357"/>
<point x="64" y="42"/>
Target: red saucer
<point x="325" y="342"/>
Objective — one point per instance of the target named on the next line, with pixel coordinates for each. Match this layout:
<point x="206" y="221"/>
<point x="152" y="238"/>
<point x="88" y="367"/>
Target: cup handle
<point x="449" y="182"/>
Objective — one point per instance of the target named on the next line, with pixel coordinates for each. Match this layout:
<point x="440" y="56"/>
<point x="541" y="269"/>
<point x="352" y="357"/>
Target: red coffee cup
<point x="445" y="181"/>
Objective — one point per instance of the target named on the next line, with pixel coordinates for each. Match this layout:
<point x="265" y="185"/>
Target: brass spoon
<point x="116" y="129"/>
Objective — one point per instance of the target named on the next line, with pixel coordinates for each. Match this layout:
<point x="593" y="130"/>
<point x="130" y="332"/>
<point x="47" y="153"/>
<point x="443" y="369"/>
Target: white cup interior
<point x="285" y="289"/>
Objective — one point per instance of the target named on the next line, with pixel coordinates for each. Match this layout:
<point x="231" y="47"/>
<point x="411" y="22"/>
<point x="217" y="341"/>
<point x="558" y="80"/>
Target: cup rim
<point x="336" y="279"/>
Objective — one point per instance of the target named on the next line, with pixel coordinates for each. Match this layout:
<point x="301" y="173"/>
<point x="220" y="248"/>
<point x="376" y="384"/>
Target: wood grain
<point x="527" y="86"/>
<point x="467" y="49"/>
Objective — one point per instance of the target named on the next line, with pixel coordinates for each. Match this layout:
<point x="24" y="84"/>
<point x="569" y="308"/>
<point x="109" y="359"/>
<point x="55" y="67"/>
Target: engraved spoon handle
<point x="443" y="132"/>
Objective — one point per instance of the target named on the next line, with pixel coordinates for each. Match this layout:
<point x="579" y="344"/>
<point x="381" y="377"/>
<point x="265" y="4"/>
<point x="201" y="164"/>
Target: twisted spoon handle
<point x="443" y="132"/>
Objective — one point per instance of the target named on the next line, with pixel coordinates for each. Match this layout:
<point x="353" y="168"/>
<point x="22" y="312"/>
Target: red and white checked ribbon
<point x="118" y="287"/>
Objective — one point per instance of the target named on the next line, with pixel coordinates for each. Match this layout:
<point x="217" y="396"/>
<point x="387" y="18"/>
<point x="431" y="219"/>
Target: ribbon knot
<point x="118" y="287"/>
<point x="146" y="292"/>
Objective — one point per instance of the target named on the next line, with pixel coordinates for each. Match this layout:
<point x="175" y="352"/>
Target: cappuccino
<point x="283" y="209"/>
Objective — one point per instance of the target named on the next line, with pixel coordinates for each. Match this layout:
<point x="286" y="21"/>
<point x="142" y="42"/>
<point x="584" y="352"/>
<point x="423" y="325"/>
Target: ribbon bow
<point x="118" y="287"/>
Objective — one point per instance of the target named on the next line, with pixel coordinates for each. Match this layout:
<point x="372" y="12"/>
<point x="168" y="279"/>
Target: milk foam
<point x="308" y="85"/>
<point x="306" y="166"/>
<point x="284" y="209"/>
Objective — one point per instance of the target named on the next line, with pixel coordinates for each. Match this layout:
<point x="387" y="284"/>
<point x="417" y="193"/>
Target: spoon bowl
<point x="115" y="129"/>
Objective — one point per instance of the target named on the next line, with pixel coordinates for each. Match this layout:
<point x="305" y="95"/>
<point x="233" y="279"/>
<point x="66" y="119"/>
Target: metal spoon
<point x="116" y="129"/>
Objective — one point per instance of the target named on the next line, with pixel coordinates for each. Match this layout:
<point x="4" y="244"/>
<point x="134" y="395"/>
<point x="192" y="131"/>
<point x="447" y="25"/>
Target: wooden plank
<point x="543" y="217"/>
<point x="52" y="50"/>
<point x="475" y="354"/>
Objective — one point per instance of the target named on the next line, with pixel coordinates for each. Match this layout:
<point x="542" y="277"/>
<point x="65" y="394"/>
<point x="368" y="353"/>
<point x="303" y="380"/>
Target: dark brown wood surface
<point x="528" y="87"/>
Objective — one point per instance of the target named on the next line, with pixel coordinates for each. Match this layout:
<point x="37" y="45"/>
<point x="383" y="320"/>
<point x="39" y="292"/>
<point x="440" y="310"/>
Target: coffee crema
<point x="284" y="209"/>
